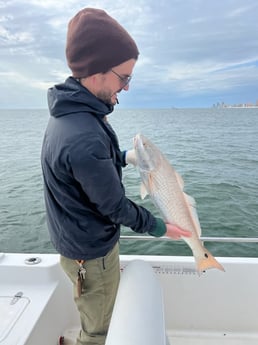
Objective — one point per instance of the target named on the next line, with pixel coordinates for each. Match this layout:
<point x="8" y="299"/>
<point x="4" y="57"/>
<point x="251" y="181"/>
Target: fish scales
<point x="165" y="187"/>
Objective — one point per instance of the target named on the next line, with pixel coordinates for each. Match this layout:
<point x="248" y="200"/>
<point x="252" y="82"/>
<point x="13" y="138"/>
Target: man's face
<point x="114" y="81"/>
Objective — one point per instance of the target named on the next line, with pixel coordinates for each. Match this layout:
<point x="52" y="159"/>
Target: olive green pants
<point x="97" y="296"/>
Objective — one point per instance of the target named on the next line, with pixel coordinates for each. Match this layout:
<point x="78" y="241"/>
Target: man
<point x="81" y="162"/>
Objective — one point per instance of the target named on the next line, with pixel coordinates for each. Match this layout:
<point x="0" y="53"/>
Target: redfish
<point x="165" y="187"/>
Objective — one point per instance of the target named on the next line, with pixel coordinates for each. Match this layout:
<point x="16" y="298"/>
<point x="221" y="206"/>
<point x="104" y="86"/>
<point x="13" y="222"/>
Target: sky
<point x="193" y="53"/>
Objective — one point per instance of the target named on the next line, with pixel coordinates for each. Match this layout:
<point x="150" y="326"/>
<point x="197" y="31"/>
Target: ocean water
<point x="215" y="151"/>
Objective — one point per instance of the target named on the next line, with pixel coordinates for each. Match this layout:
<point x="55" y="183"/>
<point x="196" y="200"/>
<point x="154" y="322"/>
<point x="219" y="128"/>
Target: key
<point x="80" y="276"/>
<point x="79" y="285"/>
<point x="82" y="272"/>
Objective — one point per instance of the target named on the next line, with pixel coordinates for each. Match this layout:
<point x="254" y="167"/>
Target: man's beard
<point x="106" y="96"/>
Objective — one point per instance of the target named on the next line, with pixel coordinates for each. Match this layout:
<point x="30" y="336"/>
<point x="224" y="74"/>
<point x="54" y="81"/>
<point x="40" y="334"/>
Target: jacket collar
<point x="71" y="97"/>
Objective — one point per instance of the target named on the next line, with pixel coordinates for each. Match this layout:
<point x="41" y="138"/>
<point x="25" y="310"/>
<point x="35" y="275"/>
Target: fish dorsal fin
<point x="144" y="191"/>
<point x="192" y="206"/>
<point x="180" y="180"/>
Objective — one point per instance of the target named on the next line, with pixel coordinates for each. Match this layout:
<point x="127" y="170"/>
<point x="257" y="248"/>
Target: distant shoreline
<point x="238" y="107"/>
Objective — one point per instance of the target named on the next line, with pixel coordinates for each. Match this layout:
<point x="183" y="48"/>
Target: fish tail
<point x="207" y="261"/>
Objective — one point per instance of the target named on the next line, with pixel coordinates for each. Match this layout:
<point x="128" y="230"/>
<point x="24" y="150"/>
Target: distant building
<point x="240" y="105"/>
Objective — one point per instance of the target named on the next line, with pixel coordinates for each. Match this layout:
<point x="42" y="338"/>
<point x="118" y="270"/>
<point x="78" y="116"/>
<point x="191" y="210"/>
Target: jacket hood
<point x="71" y="97"/>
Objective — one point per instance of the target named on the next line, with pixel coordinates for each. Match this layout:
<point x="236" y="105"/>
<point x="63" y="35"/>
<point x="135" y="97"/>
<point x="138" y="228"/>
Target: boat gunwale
<point x="203" y="239"/>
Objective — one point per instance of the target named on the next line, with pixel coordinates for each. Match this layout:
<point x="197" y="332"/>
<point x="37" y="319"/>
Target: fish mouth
<point x="143" y="159"/>
<point x="136" y="141"/>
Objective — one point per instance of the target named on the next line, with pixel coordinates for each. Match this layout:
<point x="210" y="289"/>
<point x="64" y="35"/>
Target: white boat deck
<point x="188" y="338"/>
<point x="39" y="316"/>
<point x="214" y="308"/>
<point x="211" y="339"/>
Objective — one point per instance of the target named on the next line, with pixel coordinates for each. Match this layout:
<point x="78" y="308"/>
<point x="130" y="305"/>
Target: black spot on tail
<point x="206" y="255"/>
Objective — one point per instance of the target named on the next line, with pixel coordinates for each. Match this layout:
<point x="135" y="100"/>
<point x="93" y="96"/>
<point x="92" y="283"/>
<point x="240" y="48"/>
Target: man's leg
<point x="98" y="295"/>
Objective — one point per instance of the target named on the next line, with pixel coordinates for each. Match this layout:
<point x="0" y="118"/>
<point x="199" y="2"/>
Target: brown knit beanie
<point x="96" y="42"/>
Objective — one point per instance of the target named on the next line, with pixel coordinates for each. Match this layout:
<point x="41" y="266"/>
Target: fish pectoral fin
<point x="144" y="191"/>
<point x="192" y="206"/>
<point x="150" y="185"/>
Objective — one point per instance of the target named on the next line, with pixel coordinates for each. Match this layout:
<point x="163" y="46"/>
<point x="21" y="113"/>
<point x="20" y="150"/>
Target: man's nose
<point x="126" y="87"/>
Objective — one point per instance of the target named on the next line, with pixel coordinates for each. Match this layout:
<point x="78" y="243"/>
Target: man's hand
<point x="174" y="232"/>
<point x="130" y="157"/>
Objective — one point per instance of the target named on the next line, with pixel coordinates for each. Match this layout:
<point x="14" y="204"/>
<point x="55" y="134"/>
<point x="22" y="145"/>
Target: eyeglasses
<point x="124" y="80"/>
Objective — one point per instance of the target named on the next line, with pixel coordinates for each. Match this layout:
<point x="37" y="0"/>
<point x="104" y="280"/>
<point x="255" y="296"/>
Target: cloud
<point x="194" y="50"/>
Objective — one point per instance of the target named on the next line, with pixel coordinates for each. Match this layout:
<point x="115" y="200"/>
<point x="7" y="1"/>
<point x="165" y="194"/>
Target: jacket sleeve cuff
<point x="159" y="229"/>
<point x="123" y="156"/>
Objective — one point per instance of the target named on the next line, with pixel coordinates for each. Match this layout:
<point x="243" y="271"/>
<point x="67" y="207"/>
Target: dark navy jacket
<point x="81" y="162"/>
